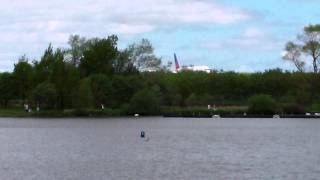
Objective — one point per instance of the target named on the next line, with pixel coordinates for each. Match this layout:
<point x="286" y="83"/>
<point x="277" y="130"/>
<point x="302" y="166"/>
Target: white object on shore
<point x="308" y="114"/>
<point x="216" y="116"/>
<point x="276" y="116"/>
<point x="26" y="107"/>
<point x="317" y="114"/>
<point x="136" y="115"/>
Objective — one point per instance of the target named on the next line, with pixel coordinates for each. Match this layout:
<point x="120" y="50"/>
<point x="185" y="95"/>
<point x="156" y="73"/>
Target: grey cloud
<point x="27" y="26"/>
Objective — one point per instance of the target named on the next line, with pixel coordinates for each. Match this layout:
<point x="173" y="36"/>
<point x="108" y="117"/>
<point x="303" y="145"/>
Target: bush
<point x="85" y="97"/>
<point x="293" y="108"/>
<point x="146" y="102"/>
<point x="192" y="100"/>
<point x="262" y="104"/>
<point x="45" y="94"/>
<point x="315" y="107"/>
<point x="101" y="88"/>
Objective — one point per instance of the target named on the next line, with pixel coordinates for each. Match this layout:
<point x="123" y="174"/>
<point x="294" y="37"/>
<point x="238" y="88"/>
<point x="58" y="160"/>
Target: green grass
<point x="13" y="112"/>
<point x="16" y="112"/>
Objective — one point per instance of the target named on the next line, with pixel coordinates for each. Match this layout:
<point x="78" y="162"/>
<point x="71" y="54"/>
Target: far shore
<point x="186" y="113"/>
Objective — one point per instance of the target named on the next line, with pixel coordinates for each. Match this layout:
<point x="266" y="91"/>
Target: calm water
<point x="95" y="149"/>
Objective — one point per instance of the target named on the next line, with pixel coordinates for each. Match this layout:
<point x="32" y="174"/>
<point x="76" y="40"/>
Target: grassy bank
<point x="171" y="111"/>
<point x="13" y="112"/>
<point x="164" y="111"/>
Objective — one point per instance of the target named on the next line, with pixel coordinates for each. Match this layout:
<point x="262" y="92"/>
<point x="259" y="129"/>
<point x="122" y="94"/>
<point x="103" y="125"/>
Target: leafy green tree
<point x="6" y="89"/>
<point x="23" y="78"/>
<point x="45" y="95"/>
<point x="206" y="99"/>
<point x="309" y="45"/>
<point x="293" y="53"/>
<point x="262" y="104"/>
<point x="123" y="65"/>
<point x="84" y="96"/>
<point x="99" y="57"/>
<point x="77" y="46"/>
<point x="192" y="100"/>
<point x="176" y="100"/>
<point x="142" y="56"/>
<point x="43" y="68"/>
<point x="65" y="76"/>
<point x="102" y="90"/>
<point x="124" y="87"/>
<point x="146" y="101"/>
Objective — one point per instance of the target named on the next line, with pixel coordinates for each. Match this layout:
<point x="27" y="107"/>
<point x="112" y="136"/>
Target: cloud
<point x="27" y="26"/>
<point x="251" y="38"/>
<point x="140" y="15"/>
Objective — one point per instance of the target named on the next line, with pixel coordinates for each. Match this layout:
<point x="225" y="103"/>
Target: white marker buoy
<point x="216" y="116"/>
<point x="276" y="116"/>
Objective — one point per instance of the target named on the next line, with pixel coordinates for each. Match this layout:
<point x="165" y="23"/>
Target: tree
<point x="77" y="46"/>
<point x="124" y="87"/>
<point x="99" y="56"/>
<point x="308" y="44"/>
<point x="84" y="94"/>
<point x="101" y="87"/>
<point x="146" y="101"/>
<point x="6" y="89"/>
<point x="45" y="95"/>
<point x="123" y="65"/>
<point x="142" y="56"/>
<point x="192" y="100"/>
<point x="23" y="78"/>
<point x="311" y="47"/>
<point x="53" y="68"/>
<point x="65" y="78"/>
<point x="293" y="54"/>
<point x="43" y="69"/>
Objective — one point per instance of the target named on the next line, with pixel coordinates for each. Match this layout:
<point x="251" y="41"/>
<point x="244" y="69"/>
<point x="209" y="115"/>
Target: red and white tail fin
<point x="176" y="62"/>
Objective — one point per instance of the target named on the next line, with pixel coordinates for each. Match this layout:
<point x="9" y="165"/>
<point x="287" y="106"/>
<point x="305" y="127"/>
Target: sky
<point x="242" y="36"/>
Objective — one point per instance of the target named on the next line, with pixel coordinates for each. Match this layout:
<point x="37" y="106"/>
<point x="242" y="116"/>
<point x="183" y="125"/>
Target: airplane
<point x="190" y="67"/>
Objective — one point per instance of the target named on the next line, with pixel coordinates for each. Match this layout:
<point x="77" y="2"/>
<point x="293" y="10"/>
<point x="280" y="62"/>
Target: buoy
<point x="276" y="116"/>
<point x="142" y="134"/>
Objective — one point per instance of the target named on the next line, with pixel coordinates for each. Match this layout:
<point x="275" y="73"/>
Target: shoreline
<point x="112" y="113"/>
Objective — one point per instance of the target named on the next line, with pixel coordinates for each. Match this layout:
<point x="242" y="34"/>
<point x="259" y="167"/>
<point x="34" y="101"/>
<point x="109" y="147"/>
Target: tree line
<point x="95" y="73"/>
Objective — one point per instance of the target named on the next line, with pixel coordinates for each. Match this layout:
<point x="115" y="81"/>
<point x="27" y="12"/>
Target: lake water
<point x="177" y="148"/>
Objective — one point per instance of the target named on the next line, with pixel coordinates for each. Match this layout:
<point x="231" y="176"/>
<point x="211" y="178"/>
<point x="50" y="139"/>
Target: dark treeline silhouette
<point x="95" y="74"/>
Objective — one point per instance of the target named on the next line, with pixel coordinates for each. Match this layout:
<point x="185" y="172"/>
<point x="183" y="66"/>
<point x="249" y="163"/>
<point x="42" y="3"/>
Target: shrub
<point x="85" y="97"/>
<point x="192" y="100"/>
<point x="315" y="107"/>
<point x="146" y="101"/>
<point x="293" y="108"/>
<point x="262" y="104"/>
<point x="45" y="94"/>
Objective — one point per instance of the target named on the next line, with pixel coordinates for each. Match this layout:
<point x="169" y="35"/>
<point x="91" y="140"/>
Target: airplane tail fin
<point x="176" y="62"/>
